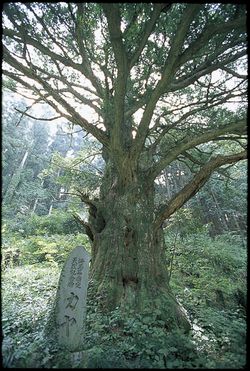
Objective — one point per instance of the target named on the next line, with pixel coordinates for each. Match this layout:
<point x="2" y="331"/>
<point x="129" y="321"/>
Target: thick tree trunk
<point x="128" y="267"/>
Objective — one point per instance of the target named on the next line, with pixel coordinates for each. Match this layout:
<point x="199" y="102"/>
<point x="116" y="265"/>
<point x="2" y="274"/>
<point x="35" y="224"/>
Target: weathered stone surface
<point x="71" y="297"/>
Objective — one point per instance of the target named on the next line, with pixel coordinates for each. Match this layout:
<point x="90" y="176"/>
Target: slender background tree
<point x="159" y="81"/>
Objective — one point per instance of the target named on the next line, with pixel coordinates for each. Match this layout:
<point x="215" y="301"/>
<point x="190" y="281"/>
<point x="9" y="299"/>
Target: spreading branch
<point x="24" y="113"/>
<point x="209" y="31"/>
<point x="73" y="116"/>
<point x="87" y="227"/>
<point x="186" y="144"/>
<point x="169" y="70"/>
<point x="194" y="185"/>
<point x="60" y="67"/>
<point x="147" y="31"/>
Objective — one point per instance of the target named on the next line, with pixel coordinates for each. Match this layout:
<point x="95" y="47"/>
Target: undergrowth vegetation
<point x="27" y="295"/>
<point x="209" y="279"/>
<point x="208" y="276"/>
<point x="37" y="239"/>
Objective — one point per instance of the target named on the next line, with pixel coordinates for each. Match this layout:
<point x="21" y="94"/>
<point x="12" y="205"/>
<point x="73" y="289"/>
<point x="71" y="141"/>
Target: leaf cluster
<point x="27" y="294"/>
<point x="209" y="279"/>
<point x="39" y="248"/>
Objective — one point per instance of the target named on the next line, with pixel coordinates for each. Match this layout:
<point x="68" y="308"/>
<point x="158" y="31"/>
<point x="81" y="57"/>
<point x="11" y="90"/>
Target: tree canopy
<point x="156" y="78"/>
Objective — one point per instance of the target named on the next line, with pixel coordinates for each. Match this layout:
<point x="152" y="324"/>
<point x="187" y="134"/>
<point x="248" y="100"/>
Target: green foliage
<point x="28" y="293"/>
<point x="185" y="222"/>
<point x="212" y="269"/>
<point x="209" y="279"/>
<point x="202" y="268"/>
<point x="132" y="340"/>
<point x="82" y="171"/>
<point x="17" y="250"/>
<point x="58" y="222"/>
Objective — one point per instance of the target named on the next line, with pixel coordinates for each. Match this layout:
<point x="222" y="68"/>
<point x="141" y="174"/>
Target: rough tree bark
<point x="128" y="267"/>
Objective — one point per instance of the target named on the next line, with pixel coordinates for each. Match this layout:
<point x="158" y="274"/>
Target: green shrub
<point x="209" y="279"/>
<point x="209" y="271"/>
<point x="38" y="249"/>
<point x="135" y="341"/>
<point x="27" y="296"/>
<point x="58" y="222"/>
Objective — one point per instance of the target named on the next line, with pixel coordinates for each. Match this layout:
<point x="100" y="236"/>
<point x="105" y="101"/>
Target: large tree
<point x="159" y="81"/>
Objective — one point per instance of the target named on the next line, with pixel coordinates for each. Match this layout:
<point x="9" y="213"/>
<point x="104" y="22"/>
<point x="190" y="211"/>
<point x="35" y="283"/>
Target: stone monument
<point x="71" y="297"/>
